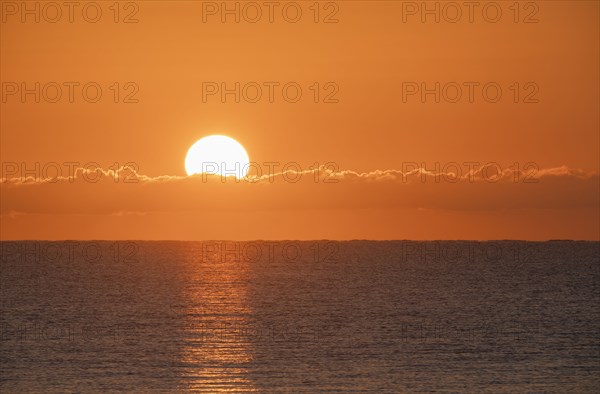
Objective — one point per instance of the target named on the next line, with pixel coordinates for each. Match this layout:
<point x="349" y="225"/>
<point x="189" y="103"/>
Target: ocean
<point x="289" y="316"/>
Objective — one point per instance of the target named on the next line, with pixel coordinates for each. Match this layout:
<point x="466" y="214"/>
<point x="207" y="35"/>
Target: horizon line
<point x="305" y="240"/>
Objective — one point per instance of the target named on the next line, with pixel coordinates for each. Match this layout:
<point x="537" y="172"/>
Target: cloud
<point x="454" y="187"/>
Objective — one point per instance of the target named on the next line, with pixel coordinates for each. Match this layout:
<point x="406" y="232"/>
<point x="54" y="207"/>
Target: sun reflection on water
<point x="217" y="352"/>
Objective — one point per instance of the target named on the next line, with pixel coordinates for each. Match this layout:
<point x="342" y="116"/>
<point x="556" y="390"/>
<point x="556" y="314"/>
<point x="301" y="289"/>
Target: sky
<point x="365" y="120"/>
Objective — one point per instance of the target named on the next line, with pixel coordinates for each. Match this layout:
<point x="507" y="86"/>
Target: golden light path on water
<point x="218" y="352"/>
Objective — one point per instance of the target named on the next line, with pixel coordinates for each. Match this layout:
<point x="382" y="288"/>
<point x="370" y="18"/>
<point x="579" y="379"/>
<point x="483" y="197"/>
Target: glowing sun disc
<point x="217" y="154"/>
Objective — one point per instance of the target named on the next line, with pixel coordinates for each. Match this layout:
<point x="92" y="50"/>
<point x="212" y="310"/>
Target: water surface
<point x="356" y="316"/>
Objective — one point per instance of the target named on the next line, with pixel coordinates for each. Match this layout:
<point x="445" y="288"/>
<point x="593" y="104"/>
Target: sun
<point x="217" y="154"/>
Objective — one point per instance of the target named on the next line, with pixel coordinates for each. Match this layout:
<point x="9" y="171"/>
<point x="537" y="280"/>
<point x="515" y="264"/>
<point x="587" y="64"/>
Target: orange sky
<point x="370" y="54"/>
